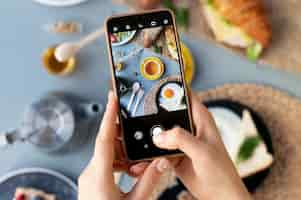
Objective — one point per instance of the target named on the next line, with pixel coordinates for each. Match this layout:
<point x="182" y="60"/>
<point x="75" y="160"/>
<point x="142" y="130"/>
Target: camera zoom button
<point x="138" y="135"/>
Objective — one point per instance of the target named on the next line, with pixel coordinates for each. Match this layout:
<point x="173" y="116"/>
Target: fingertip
<point x="159" y="140"/>
<point x="138" y="169"/>
<point x="112" y="106"/>
<point x="112" y="101"/>
<point x="169" y="139"/>
<point x="110" y="95"/>
<point x="148" y="180"/>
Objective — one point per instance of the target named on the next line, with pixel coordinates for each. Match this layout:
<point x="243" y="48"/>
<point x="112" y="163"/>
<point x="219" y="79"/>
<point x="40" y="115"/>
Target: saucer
<point x="156" y="62"/>
<point x="60" y="3"/>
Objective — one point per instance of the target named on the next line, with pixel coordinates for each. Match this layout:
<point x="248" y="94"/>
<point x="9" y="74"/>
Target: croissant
<point x="242" y="23"/>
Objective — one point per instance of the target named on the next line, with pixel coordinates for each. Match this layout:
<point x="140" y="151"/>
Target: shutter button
<point x="156" y="130"/>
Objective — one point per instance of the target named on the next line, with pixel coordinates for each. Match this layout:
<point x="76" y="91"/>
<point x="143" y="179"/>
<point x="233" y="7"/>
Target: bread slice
<point x="223" y="31"/>
<point x="150" y="35"/>
<point x="247" y="15"/>
<point x="31" y="192"/>
<point x="261" y="159"/>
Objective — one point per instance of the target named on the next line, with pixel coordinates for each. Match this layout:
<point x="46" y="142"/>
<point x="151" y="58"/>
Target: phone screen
<point x="149" y="80"/>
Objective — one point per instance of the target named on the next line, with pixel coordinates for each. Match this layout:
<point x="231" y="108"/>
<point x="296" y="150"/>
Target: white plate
<point x="125" y="41"/>
<point x="60" y="3"/>
<point x="229" y="124"/>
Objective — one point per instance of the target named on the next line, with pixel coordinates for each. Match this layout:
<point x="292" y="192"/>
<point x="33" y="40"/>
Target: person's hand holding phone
<point x="206" y="169"/>
<point x="97" y="180"/>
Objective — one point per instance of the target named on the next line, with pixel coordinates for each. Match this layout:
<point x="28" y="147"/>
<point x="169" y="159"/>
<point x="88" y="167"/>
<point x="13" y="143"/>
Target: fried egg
<point x="171" y="97"/>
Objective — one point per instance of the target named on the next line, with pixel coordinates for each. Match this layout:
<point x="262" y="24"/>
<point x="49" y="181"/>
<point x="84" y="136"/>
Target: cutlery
<point x="134" y="53"/>
<point x="135" y="88"/>
<point x="139" y="97"/>
<point x="67" y="50"/>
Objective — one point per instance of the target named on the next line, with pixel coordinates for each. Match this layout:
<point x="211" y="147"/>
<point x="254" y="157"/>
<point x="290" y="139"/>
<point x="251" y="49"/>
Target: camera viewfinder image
<point x="148" y="73"/>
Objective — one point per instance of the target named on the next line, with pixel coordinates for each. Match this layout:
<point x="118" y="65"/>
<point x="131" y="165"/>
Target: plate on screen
<point x="60" y="3"/>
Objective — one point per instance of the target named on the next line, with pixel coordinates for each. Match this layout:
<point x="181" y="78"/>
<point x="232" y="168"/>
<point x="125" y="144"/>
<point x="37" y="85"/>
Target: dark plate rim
<point x="36" y="170"/>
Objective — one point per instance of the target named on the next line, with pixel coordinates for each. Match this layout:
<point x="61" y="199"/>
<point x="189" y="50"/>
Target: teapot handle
<point x="9" y="137"/>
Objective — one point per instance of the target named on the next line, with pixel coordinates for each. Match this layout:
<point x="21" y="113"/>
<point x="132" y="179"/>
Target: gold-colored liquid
<point x="55" y="67"/>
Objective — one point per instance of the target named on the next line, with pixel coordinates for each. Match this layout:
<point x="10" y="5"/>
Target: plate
<point x="172" y="99"/>
<point x="60" y="3"/>
<point x="44" y="179"/>
<point x="251" y="182"/>
<point x="189" y="65"/>
<point x="159" y="91"/>
<point x="188" y="61"/>
<point x="129" y="38"/>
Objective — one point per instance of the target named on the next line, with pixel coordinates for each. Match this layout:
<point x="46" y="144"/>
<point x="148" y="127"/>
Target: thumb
<point x="104" y="148"/>
<point x="178" y="138"/>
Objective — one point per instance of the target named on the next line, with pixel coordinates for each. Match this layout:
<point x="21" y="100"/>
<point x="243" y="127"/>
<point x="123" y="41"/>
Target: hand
<point x="206" y="169"/>
<point x="97" y="180"/>
<point x="148" y="4"/>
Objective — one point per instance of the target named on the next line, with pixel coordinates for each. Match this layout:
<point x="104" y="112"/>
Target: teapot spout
<point x="92" y="110"/>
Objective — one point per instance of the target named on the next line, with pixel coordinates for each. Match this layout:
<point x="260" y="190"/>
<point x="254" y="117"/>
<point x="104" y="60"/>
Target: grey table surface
<point x="23" y="79"/>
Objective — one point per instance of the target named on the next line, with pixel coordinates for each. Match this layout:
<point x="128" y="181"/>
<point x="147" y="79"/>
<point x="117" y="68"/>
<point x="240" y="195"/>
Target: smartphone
<point x="148" y="78"/>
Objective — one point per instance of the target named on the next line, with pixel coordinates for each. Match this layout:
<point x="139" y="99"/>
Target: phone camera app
<point x="149" y="84"/>
<point x="148" y="71"/>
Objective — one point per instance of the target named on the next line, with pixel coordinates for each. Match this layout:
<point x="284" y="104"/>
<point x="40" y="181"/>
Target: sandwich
<point x="239" y="23"/>
<point x="253" y="155"/>
<point x="244" y="144"/>
<point x="32" y="194"/>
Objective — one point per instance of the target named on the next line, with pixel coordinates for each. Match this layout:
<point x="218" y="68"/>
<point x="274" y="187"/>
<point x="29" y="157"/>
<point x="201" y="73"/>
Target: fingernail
<point x="163" y="165"/>
<point x="138" y="168"/>
<point x="110" y="97"/>
<point x="135" y="169"/>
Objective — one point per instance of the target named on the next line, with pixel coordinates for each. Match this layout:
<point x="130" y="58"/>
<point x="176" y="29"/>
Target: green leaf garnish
<point x="169" y="4"/>
<point x="247" y="148"/>
<point x="209" y="2"/>
<point x="182" y="16"/>
<point x="226" y="21"/>
<point x="254" y="51"/>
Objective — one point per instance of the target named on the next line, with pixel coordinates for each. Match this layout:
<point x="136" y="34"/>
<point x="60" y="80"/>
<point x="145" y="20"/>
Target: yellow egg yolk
<point x="169" y="93"/>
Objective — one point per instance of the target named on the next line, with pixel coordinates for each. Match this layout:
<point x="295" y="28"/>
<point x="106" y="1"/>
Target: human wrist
<point x="235" y="193"/>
